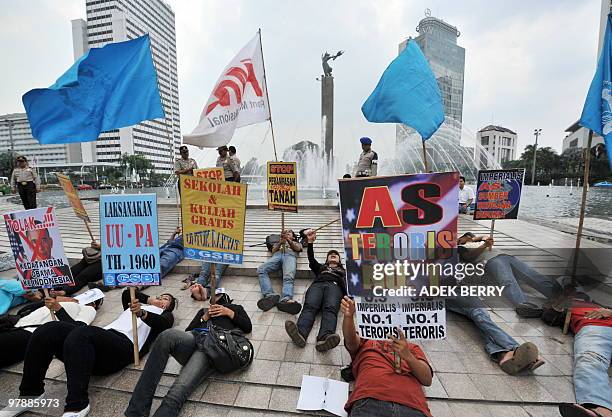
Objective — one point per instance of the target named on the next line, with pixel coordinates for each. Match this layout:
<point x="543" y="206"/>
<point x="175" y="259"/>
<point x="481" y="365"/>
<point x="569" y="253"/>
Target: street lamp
<point x="536" y="132"/>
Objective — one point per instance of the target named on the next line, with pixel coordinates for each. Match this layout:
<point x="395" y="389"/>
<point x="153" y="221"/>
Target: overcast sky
<point x="528" y="63"/>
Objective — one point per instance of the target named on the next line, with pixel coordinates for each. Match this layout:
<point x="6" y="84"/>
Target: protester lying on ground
<point x="87" y="270"/>
<point x="182" y="346"/>
<point x="284" y="257"/>
<point x="507" y="270"/>
<point x="91" y="350"/>
<point x="592" y="328"/>
<point x="12" y="294"/>
<point x="381" y="389"/>
<point x="14" y="338"/>
<point x="323" y="295"/>
<point x="200" y="289"/>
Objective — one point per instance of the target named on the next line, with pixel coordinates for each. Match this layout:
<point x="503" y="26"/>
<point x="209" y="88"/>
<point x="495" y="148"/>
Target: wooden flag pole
<point x="46" y="292"/>
<point x="89" y="230"/>
<point x="213" y="282"/>
<point x="135" y="329"/>
<point x="425" y="157"/>
<point x="491" y="232"/>
<point x="326" y="224"/>
<point x="267" y="95"/>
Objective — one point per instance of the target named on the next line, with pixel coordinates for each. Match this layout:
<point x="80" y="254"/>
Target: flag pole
<point x="585" y="187"/>
<point x="425" y="157"/>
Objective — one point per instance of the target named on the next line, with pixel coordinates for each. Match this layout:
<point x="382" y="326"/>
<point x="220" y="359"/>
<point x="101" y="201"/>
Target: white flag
<point x="238" y="99"/>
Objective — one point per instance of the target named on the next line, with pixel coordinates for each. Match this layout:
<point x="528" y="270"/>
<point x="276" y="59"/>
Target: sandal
<point x="293" y="332"/>
<point x="523" y="357"/>
<point x="289" y="306"/>
<point x="575" y="410"/>
<point x="268" y="302"/>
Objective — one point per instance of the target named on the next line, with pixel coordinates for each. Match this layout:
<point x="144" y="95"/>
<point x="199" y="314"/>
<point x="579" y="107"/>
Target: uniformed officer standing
<point x="184" y="165"/>
<point x="25" y="180"/>
<point x="226" y="161"/>
<point x="367" y="166"/>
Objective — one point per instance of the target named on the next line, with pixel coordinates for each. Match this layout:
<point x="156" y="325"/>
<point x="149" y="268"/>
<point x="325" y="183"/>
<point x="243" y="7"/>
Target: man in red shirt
<point x="592" y="327"/>
<point x="380" y="388"/>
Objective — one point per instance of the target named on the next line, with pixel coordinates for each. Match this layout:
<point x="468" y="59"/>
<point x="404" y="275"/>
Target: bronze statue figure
<point x="327" y="70"/>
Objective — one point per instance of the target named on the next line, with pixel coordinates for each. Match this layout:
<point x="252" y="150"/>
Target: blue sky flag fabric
<point x="407" y="93"/>
<point x="107" y="88"/>
<point x="597" y="111"/>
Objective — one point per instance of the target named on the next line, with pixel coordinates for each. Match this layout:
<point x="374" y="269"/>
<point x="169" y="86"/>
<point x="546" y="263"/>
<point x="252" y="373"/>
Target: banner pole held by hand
<point x="491" y="233"/>
<point x="46" y="292"/>
<point x="89" y="230"/>
<point x="213" y="282"/>
<point x="135" y="328"/>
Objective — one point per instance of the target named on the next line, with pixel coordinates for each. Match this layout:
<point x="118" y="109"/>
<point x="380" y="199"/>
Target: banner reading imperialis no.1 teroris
<point x="213" y="216"/>
<point x="400" y="236"/>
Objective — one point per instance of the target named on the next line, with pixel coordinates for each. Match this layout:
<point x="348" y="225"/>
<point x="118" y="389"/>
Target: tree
<point x="137" y="163"/>
<point x="6" y="163"/>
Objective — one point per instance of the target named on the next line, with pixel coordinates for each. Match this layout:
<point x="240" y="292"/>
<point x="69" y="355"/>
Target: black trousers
<point x="14" y="343"/>
<point x="324" y="297"/>
<point x="83" y="273"/>
<point x="28" y="194"/>
<point x="85" y="351"/>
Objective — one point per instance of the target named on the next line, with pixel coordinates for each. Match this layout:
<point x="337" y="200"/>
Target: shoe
<point x="81" y="413"/>
<point x="288" y="306"/>
<point x="293" y="332"/>
<point x="268" y="302"/>
<point x="523" y="357"/>
<point x="529" y="310"/>
<point x="330" y="342"/>
<point x="18" y="409"/>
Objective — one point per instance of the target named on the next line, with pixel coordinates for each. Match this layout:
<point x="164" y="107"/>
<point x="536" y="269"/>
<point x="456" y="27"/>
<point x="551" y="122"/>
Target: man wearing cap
<point x="367" y="166"/>
<point x="184" y="165"/>
<point x="226" y="161"/>
<point x="232" y="153"/>
<point x="25" y="180"/>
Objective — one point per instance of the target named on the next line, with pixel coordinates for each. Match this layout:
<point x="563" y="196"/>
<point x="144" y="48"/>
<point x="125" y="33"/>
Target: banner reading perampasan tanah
<point x="282" y="186"/>
<point x="37" y="246"/>
<point x="213" y="215"/>
<point x="399" y="236"/>
<point x="73" y="197"/>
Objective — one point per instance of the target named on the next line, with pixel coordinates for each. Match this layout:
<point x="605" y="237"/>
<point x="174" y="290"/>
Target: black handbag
<point x="227" y="350"/>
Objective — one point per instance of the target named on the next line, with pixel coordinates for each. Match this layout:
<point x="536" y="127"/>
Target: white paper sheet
<point x="319" y="393"/>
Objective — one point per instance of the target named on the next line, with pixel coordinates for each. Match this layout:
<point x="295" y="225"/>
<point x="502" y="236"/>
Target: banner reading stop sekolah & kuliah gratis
<point x="37" y="246"/>
<point x="400" y="237"/>
<point x="498" y="194"/>
<point x="130" y="240"/>
<point x="213" y="215"/>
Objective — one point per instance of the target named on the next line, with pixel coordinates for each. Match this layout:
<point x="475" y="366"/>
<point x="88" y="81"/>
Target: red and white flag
<point x="238" y="99"/>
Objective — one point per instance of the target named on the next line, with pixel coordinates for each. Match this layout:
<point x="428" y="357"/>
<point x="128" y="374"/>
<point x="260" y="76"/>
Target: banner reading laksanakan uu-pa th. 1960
<point x="37" y="246"/>
<point x="213" y="215"/>
<point x="399" y="236"/>
<point x="129" y="238"/>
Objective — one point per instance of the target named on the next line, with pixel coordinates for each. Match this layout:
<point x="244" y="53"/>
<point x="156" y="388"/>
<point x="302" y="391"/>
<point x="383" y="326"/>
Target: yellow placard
<point x="73" y="197"/>
<point x="282" y="186"/>
<point x="213" y="216"/>
<point x="210" y="173"/>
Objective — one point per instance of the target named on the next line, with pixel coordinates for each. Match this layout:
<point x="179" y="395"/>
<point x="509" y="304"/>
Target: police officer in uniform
<point x="25" y="180"/>
<point x="367" y="166"/>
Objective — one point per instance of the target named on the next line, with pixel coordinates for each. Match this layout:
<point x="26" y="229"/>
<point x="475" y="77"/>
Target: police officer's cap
<point x="365" y="141"/>
<point x="22" y="158"/>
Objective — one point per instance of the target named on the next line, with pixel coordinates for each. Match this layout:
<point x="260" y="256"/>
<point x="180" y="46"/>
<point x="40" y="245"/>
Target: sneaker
<point x="81" y="413"/>
<point x="12" y="411"/>
<point x="293" y="332"/>
<point x="330" y="342"/>
<point x="268" y="302"/>
<point x="529" y="310"/>
<point x="289" y="306"/>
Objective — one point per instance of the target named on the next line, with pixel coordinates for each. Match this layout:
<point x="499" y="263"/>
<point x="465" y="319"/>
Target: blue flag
<point x="597" y="111"/>
<point x="107" y="88"/>
<point x="407" y="93"/>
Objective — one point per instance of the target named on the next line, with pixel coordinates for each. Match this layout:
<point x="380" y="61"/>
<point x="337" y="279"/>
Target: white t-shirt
<point x="466" y="194"/>
<point x="42" y="315"/>
<point x="123" y="324"/>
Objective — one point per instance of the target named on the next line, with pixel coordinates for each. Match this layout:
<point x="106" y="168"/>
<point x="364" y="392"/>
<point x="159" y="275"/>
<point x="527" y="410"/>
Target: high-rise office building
<point x="500" y="144"/>
<point x="120" y="20"/>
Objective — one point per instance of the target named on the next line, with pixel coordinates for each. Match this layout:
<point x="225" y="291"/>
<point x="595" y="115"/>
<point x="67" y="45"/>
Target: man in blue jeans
<point x="284" y="257"/>
<point x="171" y="253"/>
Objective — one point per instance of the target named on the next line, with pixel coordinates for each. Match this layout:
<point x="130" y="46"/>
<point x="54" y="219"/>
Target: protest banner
<point x="210" y="173"/>
<point x="282" y="186"/>
<point x="37" y="246"/>
<point x="73" y="197"/>
<point x="400" y="237"/>
<point x="498" y="194"/>
<point x="129" y="239"/>
<point x="213" y="218"/>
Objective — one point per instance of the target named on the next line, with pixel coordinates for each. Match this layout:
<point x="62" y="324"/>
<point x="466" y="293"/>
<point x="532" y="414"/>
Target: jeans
<point x="168" y="258"/>
<point x="85" y="351"/>
<point x="496" y="340"/>
<point x="370" y="407"/>
<point x="204" y="278"/>
<point x="508" y="270"/>
<point x="463" y="208"/>
<point x="324" y="297"/>
<point x="196" y="368"/>
<point x="592" y="357"/>
<point x="285" y="261"/>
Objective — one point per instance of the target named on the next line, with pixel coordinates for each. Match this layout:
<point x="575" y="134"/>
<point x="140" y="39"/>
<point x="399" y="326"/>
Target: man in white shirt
<point x="466" y="196"/>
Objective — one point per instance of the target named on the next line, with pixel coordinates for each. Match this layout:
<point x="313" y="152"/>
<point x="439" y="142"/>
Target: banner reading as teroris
<point x="213" y="214"/>
<point x="282" y="186"/>
<point x="73" y="198"/>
